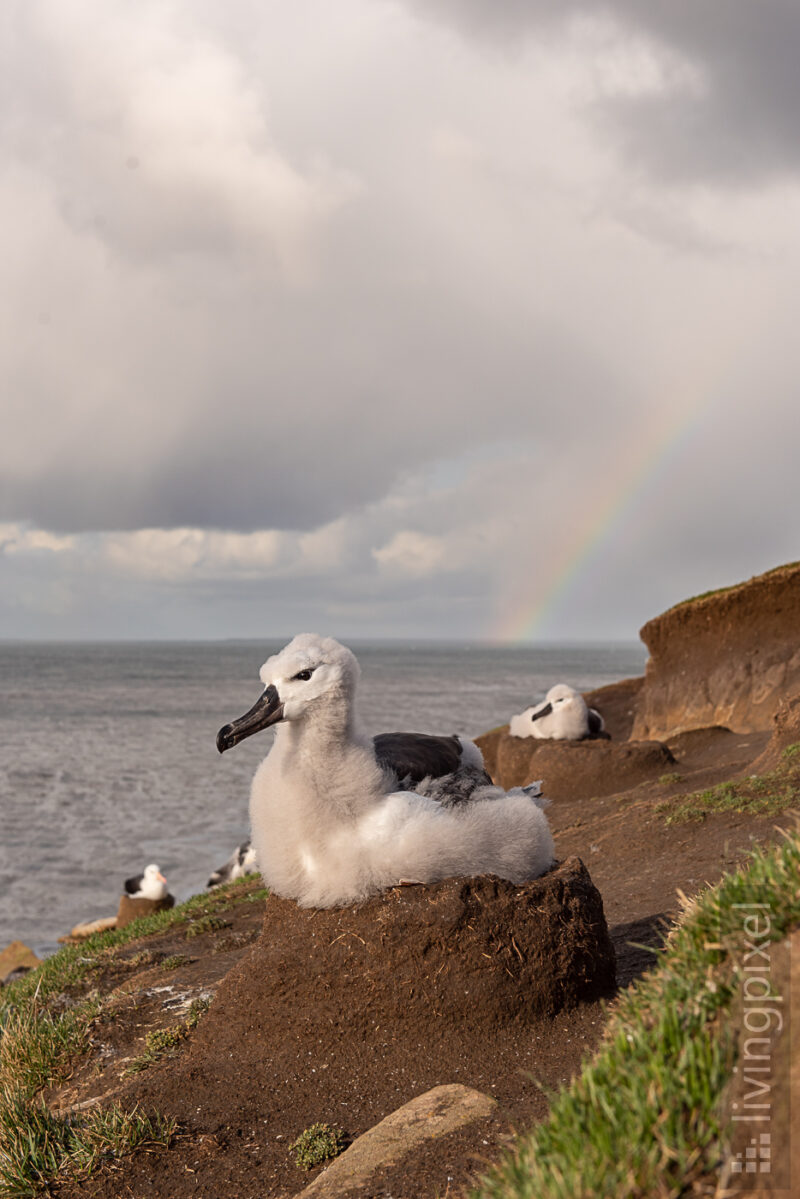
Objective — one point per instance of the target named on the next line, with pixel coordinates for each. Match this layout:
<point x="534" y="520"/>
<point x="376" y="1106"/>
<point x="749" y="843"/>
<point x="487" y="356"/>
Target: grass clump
<point x="197" y="1009"/>
<point x="206" y="924"/>
<point x="671" y="777"/>
<point x="645" y="1117"/>
<point x="316" y="1144"/>
<point x="38" y="1147"/>
<point x="164" y="1042"/>
<point x="158" y="1044"/>
<point x="174" y="961"/>
<point x="758" y="795"/>
<point x="36" y="1047"/>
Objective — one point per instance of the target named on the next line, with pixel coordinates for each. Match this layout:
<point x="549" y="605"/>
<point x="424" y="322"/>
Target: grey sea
<point x="108" y="757"/>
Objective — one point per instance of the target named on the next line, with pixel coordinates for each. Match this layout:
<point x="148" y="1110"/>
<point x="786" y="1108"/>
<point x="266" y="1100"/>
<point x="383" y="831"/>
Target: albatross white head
<point x="311" y="675"/>
<point x="153" y="884"/>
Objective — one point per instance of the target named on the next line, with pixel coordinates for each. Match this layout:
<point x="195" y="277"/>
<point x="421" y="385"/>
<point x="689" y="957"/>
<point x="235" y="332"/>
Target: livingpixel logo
<point x="763" y="1015"/>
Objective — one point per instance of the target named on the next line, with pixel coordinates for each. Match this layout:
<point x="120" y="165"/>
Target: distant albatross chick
<point x="242" y="861"/>
<point x="562" y="716"/>
<point x="330" y="821"/>
<point x="151" y="884"/>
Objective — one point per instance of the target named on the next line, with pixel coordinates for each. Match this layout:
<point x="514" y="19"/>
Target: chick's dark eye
<point x="303" y="675"/>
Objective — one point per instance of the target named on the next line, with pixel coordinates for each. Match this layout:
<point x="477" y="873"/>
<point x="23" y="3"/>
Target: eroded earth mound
<point x="723" y="659"/>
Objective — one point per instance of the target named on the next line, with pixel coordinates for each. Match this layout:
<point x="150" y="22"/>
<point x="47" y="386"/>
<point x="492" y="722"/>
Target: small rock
<point x="81" y="931"/>
<point x="434" y="1114"/>
<point x="17" y="957"/>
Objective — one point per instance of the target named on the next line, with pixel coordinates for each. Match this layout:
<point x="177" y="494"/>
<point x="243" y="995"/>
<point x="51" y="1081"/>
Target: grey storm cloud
<point x="281" y="435"/>
<point x="737" y="126"/>
<point x="391" y="312"/>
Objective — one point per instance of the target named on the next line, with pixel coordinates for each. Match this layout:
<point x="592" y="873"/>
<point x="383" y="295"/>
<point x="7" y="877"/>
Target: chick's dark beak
<point x="545" y="711"/>
<point x="267" y="710"/>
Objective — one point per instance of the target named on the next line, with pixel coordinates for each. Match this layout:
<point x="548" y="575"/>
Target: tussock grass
<point x="37" y="1046"/>
<point x="645" y="1117"/>
<point x="37" y="1147"/>
<point x="758" y="795"/>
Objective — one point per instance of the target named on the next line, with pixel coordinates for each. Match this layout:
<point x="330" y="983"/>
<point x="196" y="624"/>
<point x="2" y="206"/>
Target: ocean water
<point x="108" y="758"/>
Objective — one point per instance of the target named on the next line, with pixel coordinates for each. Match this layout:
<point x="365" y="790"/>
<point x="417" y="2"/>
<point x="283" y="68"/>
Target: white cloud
<point x="19" y="539"/>
<point x="410" y="553"/>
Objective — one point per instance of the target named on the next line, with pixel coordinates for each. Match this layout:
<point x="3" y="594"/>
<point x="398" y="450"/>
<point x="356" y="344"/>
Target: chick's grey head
<point x="309" y="672"/>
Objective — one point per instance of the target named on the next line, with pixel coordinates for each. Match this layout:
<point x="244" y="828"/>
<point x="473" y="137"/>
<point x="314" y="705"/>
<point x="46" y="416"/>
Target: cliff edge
<point x="726" y="658"/>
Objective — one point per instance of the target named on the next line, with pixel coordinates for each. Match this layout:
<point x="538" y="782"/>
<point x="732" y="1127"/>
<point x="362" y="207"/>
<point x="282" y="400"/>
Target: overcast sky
<point x="394" y="317"/>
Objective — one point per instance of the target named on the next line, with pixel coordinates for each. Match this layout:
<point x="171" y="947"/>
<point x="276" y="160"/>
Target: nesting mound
<point x="475" y="952"/>
<point x="573" y="769"/>
<point x="373" y="988"/>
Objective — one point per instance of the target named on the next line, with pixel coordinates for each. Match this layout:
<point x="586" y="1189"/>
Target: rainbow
<point x="636" y="470"/>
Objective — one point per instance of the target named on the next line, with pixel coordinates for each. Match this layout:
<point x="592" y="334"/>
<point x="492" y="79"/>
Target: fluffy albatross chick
<point x="150" y="884"/>
<point x="562" y="716"/>
<point x="329" y="825"/>
<point x="241" y="862"/>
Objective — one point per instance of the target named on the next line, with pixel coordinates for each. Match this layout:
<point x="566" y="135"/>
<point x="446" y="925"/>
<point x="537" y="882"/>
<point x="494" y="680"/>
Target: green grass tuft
<point x="209" y="923"/>
<point x="37" y="1147"/>
<point x="758" y="795"/>
<point x="174" y="961"/>
<point x="36" y="1047"/>
<point x="197" y="1009"/>
<point x="671" y="777"/>
<point x="317" y="1144"/>
<point x="645" y="1116"/>
<point x="158" y="1044"/>
<point x="165" y="1042"/>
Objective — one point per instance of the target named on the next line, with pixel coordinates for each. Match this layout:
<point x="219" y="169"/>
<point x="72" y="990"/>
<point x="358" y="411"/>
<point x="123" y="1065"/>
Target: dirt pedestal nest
<point x="362" y="1007"/>
<point x="477" y="951"/>
<point x="573" y="769"/>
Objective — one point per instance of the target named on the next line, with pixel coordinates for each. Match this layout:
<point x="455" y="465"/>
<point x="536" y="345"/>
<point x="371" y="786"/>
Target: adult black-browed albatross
<point x="150" y="884"/>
